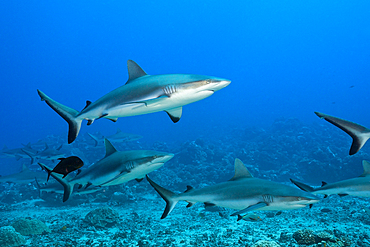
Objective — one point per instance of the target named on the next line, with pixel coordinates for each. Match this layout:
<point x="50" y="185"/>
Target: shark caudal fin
<point x="302" y="186"/>
<point x="68" y="188"/>
<point x="66" y="113"/>
<point x="359" y="133"/>
<point x="167" y="195"/>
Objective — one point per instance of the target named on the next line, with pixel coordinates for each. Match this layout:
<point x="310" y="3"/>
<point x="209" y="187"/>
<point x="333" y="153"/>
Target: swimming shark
<point x="243" y="192"/>
<point x="119" y="136"/>
<point x="46" y="154"/>
<point x="18" y="153"/>
<point x="24" y="177"/>
<point x="359" y="186"/>
<point x="116" y="167"/>
<point x="142" y="94"/>
<point x="359" y="133"/>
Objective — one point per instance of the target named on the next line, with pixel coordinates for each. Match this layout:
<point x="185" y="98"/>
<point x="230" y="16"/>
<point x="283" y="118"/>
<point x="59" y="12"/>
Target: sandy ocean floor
<point x="334" y="221"/>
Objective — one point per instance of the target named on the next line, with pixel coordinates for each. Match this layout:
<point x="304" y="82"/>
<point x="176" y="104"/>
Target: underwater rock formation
<point x="30" y="226"/>
<point x="10" y="238"/>
<point x="102" y="217"/>
<point x="265" y="243"/>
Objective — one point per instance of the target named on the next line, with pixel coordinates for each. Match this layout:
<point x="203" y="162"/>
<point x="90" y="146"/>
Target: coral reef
<point x="10" y="238"/>
<point x="102" y="217"/>
<point x="30" y="226"/>
<point x="265" y="243"/>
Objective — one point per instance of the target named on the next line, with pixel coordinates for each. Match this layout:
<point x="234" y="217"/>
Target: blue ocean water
<point x="286" y="59"/>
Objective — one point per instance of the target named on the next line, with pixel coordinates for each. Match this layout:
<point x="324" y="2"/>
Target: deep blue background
<point x="285" y="58"/>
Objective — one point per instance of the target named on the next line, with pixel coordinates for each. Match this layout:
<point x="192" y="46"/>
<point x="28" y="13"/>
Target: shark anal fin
<point x="323" y="183"/>
<point x="325" y="196"/>
<point x="250" y="208"/>
<point x="139" y="179"/>
<point x="239" y="217"/>
<point x="90" y="121"/>
<point x="175" y="114"/>
<point x="341" y="195"/>
<point x="189" y="204"/>
<point x="88" y="185"/>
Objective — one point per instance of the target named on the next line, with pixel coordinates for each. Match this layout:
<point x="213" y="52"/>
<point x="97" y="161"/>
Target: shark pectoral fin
<point x="341" y="195"/>
<point x="175" y="114"/>
<point x="250" y="208"/>
<point x="302" y="186"/>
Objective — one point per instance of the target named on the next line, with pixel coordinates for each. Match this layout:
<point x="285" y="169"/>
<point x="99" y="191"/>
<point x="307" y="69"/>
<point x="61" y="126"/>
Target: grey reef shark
<point x="359" y="186"/>
<point x="142" y="94"/>
<point x="243" y="192"/>
<point x="24" y="177"/>
<point x="119" y="136"/>
<point x="46" y="154"/>
<point x="116" y="167"/>
<point x="359" y="133"/>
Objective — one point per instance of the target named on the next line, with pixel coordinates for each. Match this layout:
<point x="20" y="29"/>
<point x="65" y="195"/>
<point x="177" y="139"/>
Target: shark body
<point x="243" y="192"/>
<point x="24" y="177"/>
<point x="359" y="186"/>
<point x="142" y="94"/>
<point x="359" y="133"/>
<point x="116" y="167"/>
<point x="119" y="136"/>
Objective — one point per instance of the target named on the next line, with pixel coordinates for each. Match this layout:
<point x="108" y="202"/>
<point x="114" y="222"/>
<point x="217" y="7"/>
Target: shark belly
<point x="156" y="105"/>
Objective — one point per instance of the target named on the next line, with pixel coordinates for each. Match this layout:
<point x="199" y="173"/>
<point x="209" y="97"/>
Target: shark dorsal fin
<point x="366" y="165"/>
<point x="240" y="171"/>
<point x="24" y="168"/>
<point x="109" y="149"/>
<point x="118" y="131"/>
<point x="134" y="71"/>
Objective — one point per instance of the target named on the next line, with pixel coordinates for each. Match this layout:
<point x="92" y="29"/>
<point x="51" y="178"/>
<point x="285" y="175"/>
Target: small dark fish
<point x="325" y="210"/>
<point x="66" y="166"/>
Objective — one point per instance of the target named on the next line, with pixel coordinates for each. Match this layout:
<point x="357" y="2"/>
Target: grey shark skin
<point x="359" y="186"/>
<point x="24" y="177"/>
<point x="46" y="154"/>
<point x="243" y="192"/>
<point x="115" y="168"/>
<point x="142" y="94"/>
<point x="119" y="136"/>
<point x="19" y="153"/>
<point x="359" y="133"/>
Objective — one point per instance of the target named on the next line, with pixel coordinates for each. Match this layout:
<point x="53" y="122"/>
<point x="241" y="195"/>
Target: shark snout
<point x="162" y="158"/>
<point x="219" y="84"/>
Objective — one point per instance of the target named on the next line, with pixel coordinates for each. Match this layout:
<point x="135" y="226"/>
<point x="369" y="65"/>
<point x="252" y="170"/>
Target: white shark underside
<point x="359" y="133"/>
<point x="142" y="94"/>
<point x="359" y="186"/>
<point x="242" y="192"/>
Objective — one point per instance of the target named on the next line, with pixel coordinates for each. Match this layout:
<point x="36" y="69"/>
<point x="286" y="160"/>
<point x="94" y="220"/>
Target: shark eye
<point x="208" y="81"/>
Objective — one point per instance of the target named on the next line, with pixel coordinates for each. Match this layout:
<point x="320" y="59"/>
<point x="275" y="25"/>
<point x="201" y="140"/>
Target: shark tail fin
<point x="167" y="195"/>
<point x="302" y="186"/>
<point x="96" y="141"/>
<point x="68" y="188"/>
<point x="359" y="133"/>
<point x="38" y="187"/>
<point x="66" y="113"/>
